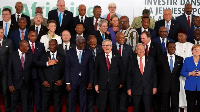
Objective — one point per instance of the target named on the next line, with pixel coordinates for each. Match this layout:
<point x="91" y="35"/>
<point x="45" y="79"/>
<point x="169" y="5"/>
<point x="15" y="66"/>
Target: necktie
<point x="65" y="47"/>
<point x="147" y="50"/>
<point x="197" y="42"/>
<point x="36" y="31"/>
<point x="33" y="49"/>
<point x="22" y="35"/>
<point x="119" y="51"/>
<point x="163" y="46"/>
<point x="141" y="66"/>
<point x="95" y="25"/>
<point x="167" y="26"/>
<point x="6" y="29"/>
<point x="22" y="60"/>
<point x="171" y="63"/>
<point x="81" y="19"/>
<point x="107" y="62"/>
<point x="189" y="21"/>
<point x="103" y="37"/>
<point x="53" y="58"/>
<point x="60" y="18"/>
<point x="0" y="46"/>
<point x="79" y="57"/>
<point x="18" y="18"/>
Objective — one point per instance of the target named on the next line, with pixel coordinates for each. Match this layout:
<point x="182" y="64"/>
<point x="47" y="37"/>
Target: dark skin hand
<point x="68" y="87"/>
<point x="11" y="88"/>
<point x="89" y="86"/>
<point x="58" y="83"/>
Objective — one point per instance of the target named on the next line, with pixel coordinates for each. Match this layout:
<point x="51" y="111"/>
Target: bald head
<point x="124" y="22"/>
<point x="188" y="8"/>
<point x="19" y="7"/>
<point x="92" y="42"/>
<point x="82" y="9"/>
<point x="120" y="38"/>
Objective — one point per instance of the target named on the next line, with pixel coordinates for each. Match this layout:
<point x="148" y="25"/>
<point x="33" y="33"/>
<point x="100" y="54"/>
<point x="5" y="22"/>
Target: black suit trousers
<point x="137" y="102"/>
<point x="191" y="97"/>
<point x="123" y="99"/>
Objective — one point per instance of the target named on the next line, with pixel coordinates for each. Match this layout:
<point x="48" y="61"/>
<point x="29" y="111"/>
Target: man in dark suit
<point x="196" y="36"/>
<point x="19" y="75"/>
<point x="169" y="68"/>
<point x="37" y="49"/>
<point x="162" y="39"/>
<point x="66" y="45"/>
<point x="145" y="27"/>
<point x="142" y="79"/>
<point x="186" y="19"/>
<point x="101" y="34"/>
<point x="80" y="28"/>
<point x="126" y="53"/>
<point x="5" y="50"/>
<point x="82" y="18"/>
<point x="38" y="27"/>
<point x="15" y="17"/>
<point x="109" y="77"/>
<point x="92" y="45"/>
<point x="196" y="22"/>
<point x="79" y="74"/>
<point x="172" y="25"/>
<point x="52" y="78"/>
<point x="63" y="18"/>
<point x="19" y="34"/>
<point x="7" y="24"/>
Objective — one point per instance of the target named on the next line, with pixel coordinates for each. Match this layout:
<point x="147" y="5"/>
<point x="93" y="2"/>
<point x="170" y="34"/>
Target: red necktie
<point x="141" y="66"/>
<point x="147" y="50"/>
<point x="108" y="62"/>
<point x="22" y="60"/>
<point x="33" y="49"/>
<point x="95" y="25"/>
<point x="22" y="35"/>
<point x="119" y="51"/>
<point x="189" y="21"/>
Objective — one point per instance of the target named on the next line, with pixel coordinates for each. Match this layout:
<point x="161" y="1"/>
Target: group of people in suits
<point x="99" y="60"/>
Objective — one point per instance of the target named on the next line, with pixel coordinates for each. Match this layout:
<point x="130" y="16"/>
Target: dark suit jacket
<point x="13" y="18"/>
<point x="157" y="40"/>
<point x="16" y="74"/>
<point x="190" y="36"/>
<point x="43" y="31"/>
<point x="169" y="80"/>
<point x="39" y="50"/>
<point x="73" y="68"/>
<point x="87" y="24"/>
<point x="115" y="75"/>
<point x="99" y="37"/>
<point x="62" y="51"/>
<point x="174" y="28"/>
<point x="15" y="37"/>
<point x="13" y="26"/>
<point x="152" y="32"/>
<point x="92" y="20"/>
<point x="184" y="22"/>
<point x="67" y="21"/>
<point x="138" y="83"/>
<point x="6" y="49"/>
<point x="98" y="49"/>
<point x="52" y="75"/>
<point x="73" y="38"/>
<point x="155" y="50"/>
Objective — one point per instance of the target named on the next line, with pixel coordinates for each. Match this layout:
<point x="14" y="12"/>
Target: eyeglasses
<point x="5" y="14"/>
<point x="106" y="45"/>
<point x="112" y="7"/>
<point x="122" y="22"/>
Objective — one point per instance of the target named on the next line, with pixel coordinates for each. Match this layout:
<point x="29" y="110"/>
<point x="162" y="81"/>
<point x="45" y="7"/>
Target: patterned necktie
<point x="163" y="46"/>
<point x="79" y="57"/>
<point x="60" y="18"/>
<point x="103" y="37"/>
<point x="18" y="18"/>
<point x="22" y="35"/>
<point x="189" y="21"/>
<point x="147" y="50"/>
<point x="107" y="62"/>
<point x="22" y="60"/>
<point x="6" y="29"/>
<point x="33" y="49"/>
<point x="167" y="26"/>
<point x="36" y="30"/>
<point x="171" y="63"/>
<point x="95" y="25"/>
<point x="119" y="51"/>
<point x="141" y="66"/>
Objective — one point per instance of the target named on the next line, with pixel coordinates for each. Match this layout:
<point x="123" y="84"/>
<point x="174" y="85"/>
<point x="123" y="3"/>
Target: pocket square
<point x="178" y="64"/>
<point x="6" y="46"/>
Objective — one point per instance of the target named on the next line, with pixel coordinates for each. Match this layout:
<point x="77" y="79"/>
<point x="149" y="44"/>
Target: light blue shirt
<point x="121" y="47"/>
<point x="21" y="33"/>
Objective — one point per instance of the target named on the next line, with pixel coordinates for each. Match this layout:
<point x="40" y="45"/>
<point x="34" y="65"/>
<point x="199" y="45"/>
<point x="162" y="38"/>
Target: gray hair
<point x="106" y="41"/>
<point x="102" y="21"/>
<point x="112" y="4"/>
<point x="38" y="14"/>
<point x="79" y="38"/>
<point x="60" y="0"/>
<point x="138" y="45"/>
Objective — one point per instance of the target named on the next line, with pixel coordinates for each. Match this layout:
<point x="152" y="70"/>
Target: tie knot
<point x="22" y="31"/>
<point x="96" y="20"/>
<point x="107" y="55"/>
<point x="188" y="16"/>
<point x="60" y="13"/>
<point x="141" y="58"/>
<point x="53" y="54"/>
<point x="171" y="56"/>
<point x="18" y="15"/>
<point x="22" y="54"/>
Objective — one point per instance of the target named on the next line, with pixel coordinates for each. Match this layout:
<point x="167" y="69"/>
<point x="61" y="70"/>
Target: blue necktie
<point x="167" y="26"/>
<point x="53" y="58"/>
<point x="6" y="29"/>
<point x="103" y="37"/>
<point x="171" y="64"/>
<point x="60" y="18"/>
<point x="18" y="18"/>
<point x="36" y="31"/>
<point x="79" y="57"/>
<point x="163" y="46"/>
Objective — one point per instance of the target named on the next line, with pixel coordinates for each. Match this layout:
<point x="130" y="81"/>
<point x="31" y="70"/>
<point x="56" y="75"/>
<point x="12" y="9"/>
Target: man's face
<point x="6" y="16"/>
<point x="145" y="40"/>
<point x="107" y="47"/>
<point x="53" y="46"/>
<point x="1" y="33"/>
<point x="79" y="29"/>
<point x="162" y="32"/>
<point x="38" y="10"/>
<point x="97" y="13"/>
<point x="38" y="20"/>
<point x="66" y="36"/>
<point x="188" y="9"/>
<point x="24" y="48"/>
<point x="171" y="48"/>
<point x="92" y="43"/>
<point x="61" y="6"/>
<point x="19" y="7"/>
<point x="22" y="23"/>
<point x="123" y="23"/>
<point x="82" y="10"/>
<point x="120" y="38"/>
<point x="196" y="35"/>
<point x="80" y="44"/>
<point x="112" y="8"/>
<point x="167" y="15"/>
<point x="145" y="23"/>
<point x="140" y="50"/>
<point x="103" y="28"/>
<point x="32" y="36"/>
<point x="182" y="37"/>
<point x="52" y="27"/>
<point x="196" y="21"/>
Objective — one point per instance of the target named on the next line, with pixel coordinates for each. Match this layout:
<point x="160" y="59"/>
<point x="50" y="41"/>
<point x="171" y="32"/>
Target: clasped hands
<point x="194" y="73"/>
<point x="52" y="62"/>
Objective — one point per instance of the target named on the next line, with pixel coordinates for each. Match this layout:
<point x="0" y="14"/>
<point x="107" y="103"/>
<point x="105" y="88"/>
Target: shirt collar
<point x="110" y="54"/>
<point x="168" y="55"/>
<point x="19" y="52"/>
<point x="9" y="22"/>
<point x="144" y="29"/>
<point x="38" y="26"/>
<point x="78" y="49"/>
<point x="79" y="35"/>
<point x="81" y="16"/>
<point x="53" y="53"/>
<point x="168" y="22"/>
<point x="139" y="57"/>
<point x="18" y="14"/>
<point x="149" y="43"/>
<point x="21" y="30"/>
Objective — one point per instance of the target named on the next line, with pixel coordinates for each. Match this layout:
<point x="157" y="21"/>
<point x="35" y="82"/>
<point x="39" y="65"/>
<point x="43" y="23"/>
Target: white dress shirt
<point x="148" y="45"/>
<point x="190" y="17"/>
<point x="165" y="40"/>
<point x="169" y="57"/>
<point x="142" y="29"/>
<point x="68" y="44"/>
<point x="109" y="57"/>
<point x="83" y="18"/>
<point x="97" y="22"/>
<point x="143" y="61"/>
<point x="55" y="54"/>
<point x="39" y="27"/>
<point x="20" y="55"/>
<point x="20" y="15"/>
<point x="30" y="43"/>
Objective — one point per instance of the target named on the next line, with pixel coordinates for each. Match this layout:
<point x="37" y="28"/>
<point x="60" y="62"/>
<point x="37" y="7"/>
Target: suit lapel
<point x="113" y="60"/>
<point x="146" y="64"/>
<point x="124" y="51"/>
<point x="137" y="65"/>
<point x="3" y="45"/>
<point x="83" y="56"/>
<point x="64" y="18"/>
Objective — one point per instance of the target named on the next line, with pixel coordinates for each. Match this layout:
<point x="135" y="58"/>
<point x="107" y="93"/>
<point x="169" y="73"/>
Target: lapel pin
<point x="65" y="14"/>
